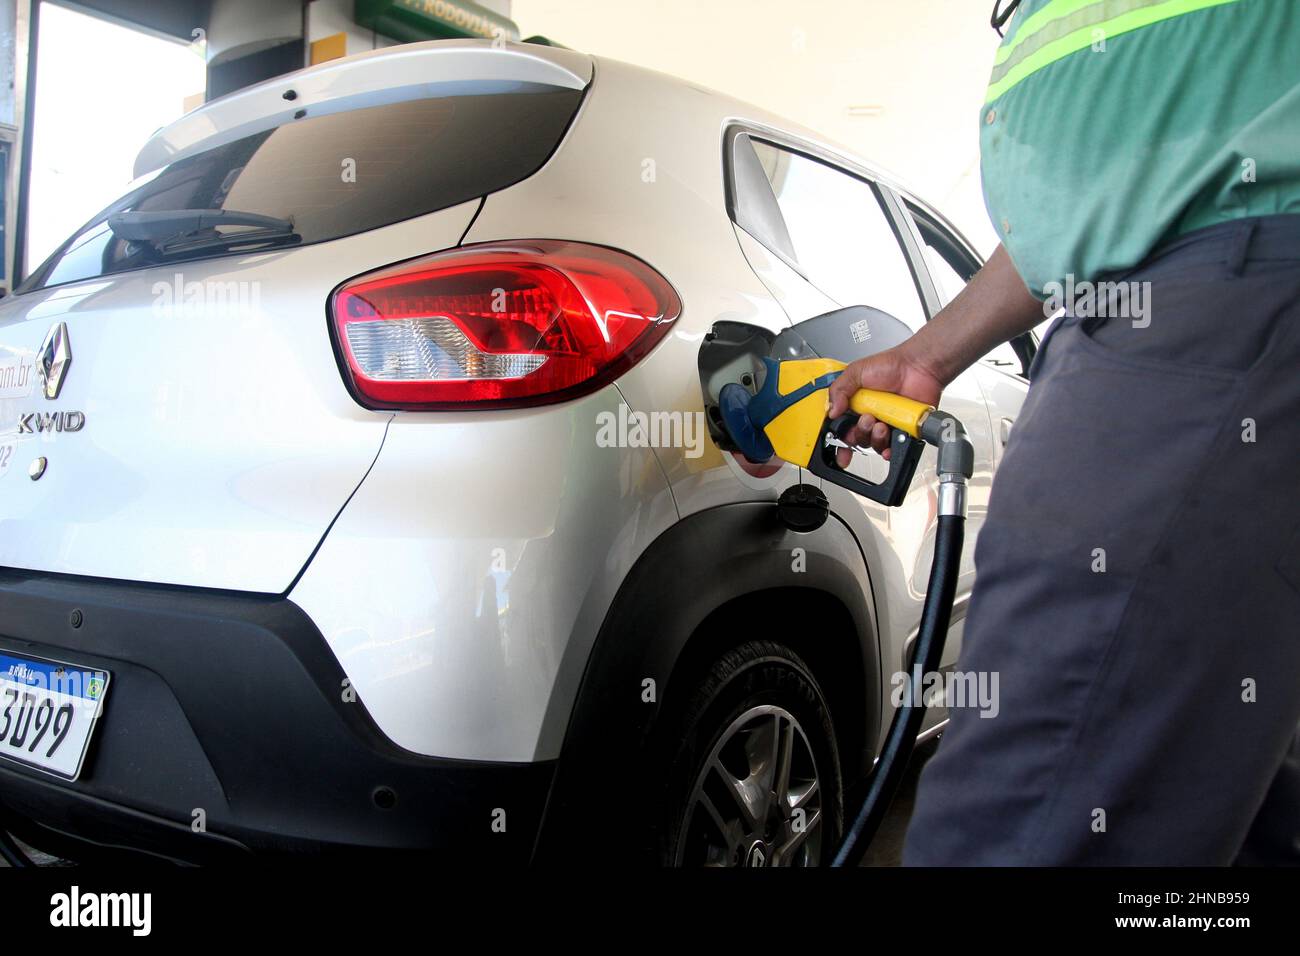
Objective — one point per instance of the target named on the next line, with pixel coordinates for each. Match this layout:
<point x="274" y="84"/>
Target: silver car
<point x="356" y="490"/>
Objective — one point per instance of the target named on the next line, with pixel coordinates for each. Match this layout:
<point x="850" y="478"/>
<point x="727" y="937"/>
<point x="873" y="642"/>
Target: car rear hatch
<point x="171" y="406"/>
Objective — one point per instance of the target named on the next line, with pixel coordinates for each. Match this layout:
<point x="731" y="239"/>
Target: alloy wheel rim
<point x="757" y="801"/>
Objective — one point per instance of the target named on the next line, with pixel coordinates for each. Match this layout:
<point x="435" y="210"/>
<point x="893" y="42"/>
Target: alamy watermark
<point x="1107" y="300"/>
<point x="628" y="429"/>
<point x="133" y="911"/>
<point x="953" y="689"/>
<point x="207" y="299"/>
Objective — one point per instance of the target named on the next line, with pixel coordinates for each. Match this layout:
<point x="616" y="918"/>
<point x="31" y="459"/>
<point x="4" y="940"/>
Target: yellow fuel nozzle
<point x="895" y="411"/>
<point x="792" y="409"/>
<point x="790" y="412"/>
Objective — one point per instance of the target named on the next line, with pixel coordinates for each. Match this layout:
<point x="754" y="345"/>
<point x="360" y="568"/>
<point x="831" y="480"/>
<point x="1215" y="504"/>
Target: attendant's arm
<point x="994" y="308"/>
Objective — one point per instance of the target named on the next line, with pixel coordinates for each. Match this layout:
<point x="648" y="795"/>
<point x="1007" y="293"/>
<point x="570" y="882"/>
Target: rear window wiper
<point x="172" y="231"/>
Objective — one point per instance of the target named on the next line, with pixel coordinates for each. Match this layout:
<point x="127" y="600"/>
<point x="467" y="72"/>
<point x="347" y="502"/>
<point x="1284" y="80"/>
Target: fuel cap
<point x="802" y="508"/>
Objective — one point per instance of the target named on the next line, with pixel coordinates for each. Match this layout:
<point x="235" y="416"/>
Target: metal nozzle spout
<point x="946" y="433"/>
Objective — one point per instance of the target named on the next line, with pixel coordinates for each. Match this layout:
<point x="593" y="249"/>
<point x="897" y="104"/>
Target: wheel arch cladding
<point x="715" y="579"/>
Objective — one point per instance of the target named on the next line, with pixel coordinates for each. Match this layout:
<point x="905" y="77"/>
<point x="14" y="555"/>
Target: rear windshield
<point x="336" y="175"/>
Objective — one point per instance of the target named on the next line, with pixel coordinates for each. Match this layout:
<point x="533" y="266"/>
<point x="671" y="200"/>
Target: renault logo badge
<point x="53" y="359"/>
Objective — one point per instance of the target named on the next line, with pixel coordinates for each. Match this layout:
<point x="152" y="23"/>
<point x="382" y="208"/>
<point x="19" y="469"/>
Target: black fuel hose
<point x="936" y="613"/>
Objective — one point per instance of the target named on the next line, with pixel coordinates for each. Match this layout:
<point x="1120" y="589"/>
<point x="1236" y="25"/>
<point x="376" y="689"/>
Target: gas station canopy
<point x="413" y="20"/>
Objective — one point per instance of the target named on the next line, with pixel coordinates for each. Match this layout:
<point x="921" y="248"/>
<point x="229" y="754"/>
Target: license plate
<point x="48" y="710"/>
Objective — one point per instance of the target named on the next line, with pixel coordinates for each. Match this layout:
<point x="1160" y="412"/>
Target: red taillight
<point x="501" y="324"/>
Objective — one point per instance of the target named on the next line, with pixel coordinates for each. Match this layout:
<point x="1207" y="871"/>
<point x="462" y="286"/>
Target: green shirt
<point x="1113" y="126"/>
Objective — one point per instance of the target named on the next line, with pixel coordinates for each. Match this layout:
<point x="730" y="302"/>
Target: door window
<point x="835" y="231"/>
<point x="951" y="267"/>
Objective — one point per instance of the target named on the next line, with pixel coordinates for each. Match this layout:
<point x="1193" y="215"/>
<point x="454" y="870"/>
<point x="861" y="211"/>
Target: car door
<point x="833" y="233"/>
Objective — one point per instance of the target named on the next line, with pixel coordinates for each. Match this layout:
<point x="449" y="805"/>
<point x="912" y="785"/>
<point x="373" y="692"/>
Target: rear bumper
<point x="230" y="708"/>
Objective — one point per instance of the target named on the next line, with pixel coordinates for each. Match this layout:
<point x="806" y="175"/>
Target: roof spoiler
<point x="409" y="71"/>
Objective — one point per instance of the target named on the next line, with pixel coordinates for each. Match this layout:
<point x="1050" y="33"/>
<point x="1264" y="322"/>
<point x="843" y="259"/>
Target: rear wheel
<point x="755" y="779"/>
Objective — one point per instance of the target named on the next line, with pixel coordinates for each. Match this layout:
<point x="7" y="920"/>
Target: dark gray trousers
<point x="1138" y="585"/>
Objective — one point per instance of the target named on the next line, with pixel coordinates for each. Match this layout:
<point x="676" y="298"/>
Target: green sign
<point x="412" y="20"/>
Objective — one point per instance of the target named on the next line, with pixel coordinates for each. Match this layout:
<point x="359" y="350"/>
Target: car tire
<point x="754" y="774"/>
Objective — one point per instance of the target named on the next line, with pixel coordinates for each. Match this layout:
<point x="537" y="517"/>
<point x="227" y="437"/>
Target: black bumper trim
<point x="233" y="705"/>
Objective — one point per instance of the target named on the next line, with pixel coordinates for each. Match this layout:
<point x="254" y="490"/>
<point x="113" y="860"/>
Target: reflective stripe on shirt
<point x="1063" y="27"/>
